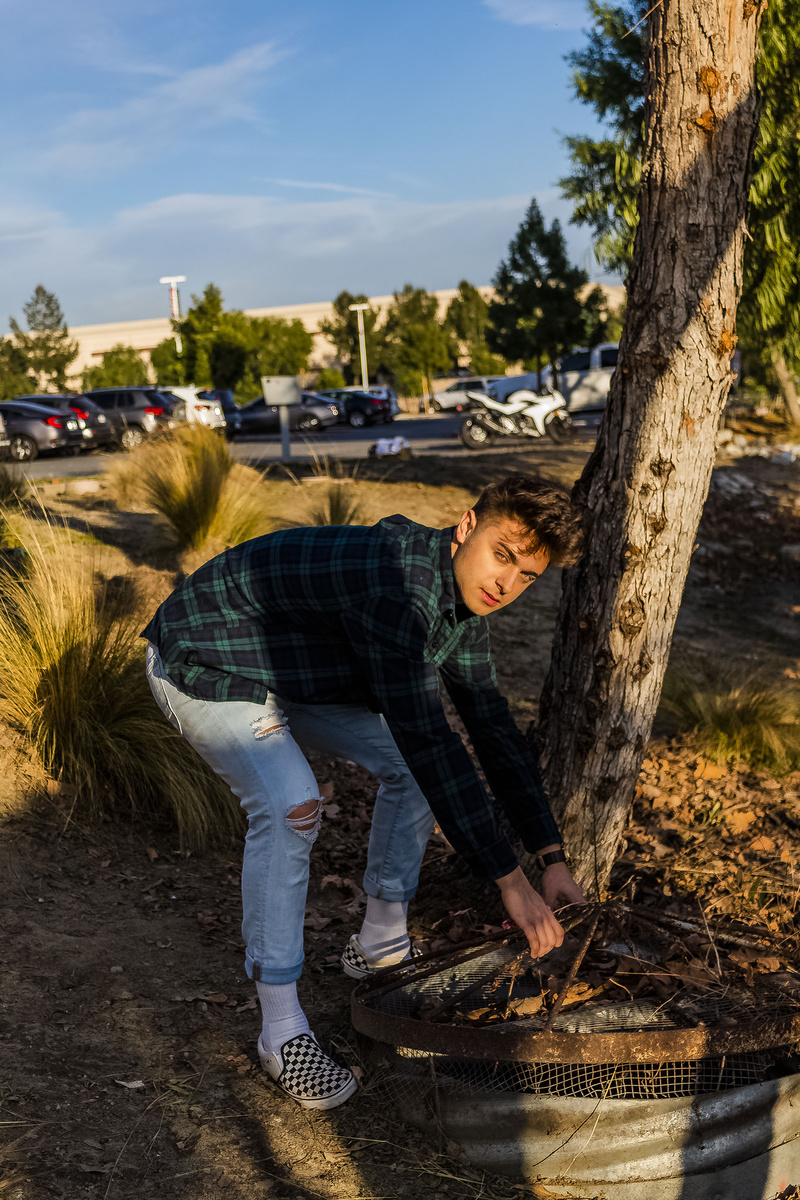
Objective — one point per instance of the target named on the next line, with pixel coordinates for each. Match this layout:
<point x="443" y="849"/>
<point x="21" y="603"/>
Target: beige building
<point x="144" y="336"/>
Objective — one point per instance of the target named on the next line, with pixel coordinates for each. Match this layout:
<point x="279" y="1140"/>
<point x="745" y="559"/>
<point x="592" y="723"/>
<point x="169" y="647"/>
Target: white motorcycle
<point x="522" y="414"/>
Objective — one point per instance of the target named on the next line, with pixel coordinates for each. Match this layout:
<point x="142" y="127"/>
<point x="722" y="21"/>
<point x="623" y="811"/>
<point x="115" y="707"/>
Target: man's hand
<point x="527" y="909"/>
<point x="559" y="888"/>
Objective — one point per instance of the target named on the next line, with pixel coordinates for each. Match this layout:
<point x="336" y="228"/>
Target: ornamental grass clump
<point x="73" y="688"/>
<point x="334" y="499"/>
<point x="206" y="500"/>
<point x="733" y="711"/>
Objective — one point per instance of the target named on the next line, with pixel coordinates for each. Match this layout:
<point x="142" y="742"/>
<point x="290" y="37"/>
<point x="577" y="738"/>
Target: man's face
<point x="490" y="564"/>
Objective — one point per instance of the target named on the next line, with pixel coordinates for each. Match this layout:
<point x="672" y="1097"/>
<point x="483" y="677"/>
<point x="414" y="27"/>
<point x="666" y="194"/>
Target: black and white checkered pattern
<point x="358" y="965"/>
<point x="303" y="1070"/>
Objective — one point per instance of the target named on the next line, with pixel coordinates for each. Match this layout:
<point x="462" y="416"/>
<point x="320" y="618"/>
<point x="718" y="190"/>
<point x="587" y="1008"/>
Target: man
<point x="336" y="640"/>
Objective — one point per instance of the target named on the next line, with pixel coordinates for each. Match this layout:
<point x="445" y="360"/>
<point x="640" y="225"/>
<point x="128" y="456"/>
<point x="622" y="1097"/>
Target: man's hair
<point x="543" y="509"/>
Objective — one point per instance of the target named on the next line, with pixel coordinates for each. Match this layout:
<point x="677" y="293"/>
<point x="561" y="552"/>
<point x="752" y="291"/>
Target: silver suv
<point x="453" y="397"/>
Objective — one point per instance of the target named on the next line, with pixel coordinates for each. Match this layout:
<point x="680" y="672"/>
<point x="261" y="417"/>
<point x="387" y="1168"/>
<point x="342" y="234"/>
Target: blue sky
<point x="284" y="151"/>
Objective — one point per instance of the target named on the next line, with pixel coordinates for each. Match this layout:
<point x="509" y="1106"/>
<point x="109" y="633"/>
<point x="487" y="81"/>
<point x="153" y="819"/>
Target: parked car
<point x="223" y="396"/>
<point x="453" y="397"/>
<point x="312" y="414"/>
<point x="202" y="407"/>
<point x="358" y="408"/>
<point x="34" y="429"/>
<point x="584" y="376"/>
<point x="95" y="427"/>
<point x="382" y="393"/>
<point x="5" y="440"/>
<point x="136" y="412"/>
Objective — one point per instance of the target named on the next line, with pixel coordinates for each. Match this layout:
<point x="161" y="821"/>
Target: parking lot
<point x="436" y="434"/>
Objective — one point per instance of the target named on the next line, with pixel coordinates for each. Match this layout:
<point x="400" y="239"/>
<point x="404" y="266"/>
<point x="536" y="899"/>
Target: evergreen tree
<point x="46" y="346"/>
<point x="342" y="330"/>
<point x="167" y="364"/>
<point x="538" y="315"/>
<point x="467" y="319"/>
<point x="15" y="378"/>
<point x="416" y="346"/>
<point x="121" y="366"/>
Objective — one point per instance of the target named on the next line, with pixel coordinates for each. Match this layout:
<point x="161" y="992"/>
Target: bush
<point x="330" y="377"/>
<point x="72" y="684"/>
<point x="336" y="503"/>
<point x="734" y="712"/>
<point x="205" y="498"/>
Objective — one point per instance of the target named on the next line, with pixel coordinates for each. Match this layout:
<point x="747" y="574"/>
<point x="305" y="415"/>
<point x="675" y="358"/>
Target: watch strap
<point x="547" y="860"/>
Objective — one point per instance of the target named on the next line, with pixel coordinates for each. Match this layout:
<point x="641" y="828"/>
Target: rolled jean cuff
<point x="393" y="895"/>
<point x="261" y="974"/>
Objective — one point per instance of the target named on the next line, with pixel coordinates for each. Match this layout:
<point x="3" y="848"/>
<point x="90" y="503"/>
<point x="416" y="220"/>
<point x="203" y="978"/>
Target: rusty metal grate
<point x="488" y="1001"/>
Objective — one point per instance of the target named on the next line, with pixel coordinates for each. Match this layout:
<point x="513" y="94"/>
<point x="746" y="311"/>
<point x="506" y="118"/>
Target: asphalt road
<point x="436" y="434"/>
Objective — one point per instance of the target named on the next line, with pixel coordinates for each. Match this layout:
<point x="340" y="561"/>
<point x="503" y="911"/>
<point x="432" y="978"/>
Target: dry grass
<point x="207" y="501"/>
<point x="13" y="488"/>
<point x="734" y="712"/>
<point x="334" y="498"/>
<point x="73" y="687"/>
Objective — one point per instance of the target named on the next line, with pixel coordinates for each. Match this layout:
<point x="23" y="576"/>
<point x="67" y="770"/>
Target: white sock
<point x="384" y="931"/>
<point x="281" y="1014"/>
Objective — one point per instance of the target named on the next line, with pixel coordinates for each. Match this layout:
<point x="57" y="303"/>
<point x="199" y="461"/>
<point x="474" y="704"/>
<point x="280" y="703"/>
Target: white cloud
<point x="330" y="187"/>
<point x="259" y="249"/>
<point x="547" y="14"/>
<point x="195" y="99"/>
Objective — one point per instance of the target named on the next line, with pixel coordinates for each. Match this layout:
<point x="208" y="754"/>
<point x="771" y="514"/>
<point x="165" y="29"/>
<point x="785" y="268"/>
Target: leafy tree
<point x="416" y="345"/>
<point x="467" y="319"/>
<point x="604" y="185"/>
<point x="330" y="377"/>
<point x="167" y="364"/>
<point x="46" y="347"/>
<point x="537" y="315"/>
<point x="15" y="378"/>
<point x="342" y="330"/>
<point x="282" y="347"/>
<point x="121" y="366"/>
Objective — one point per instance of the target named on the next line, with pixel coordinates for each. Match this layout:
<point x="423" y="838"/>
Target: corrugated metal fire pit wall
<point x="738" y="1145"/>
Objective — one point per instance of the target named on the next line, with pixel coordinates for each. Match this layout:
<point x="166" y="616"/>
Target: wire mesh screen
<point x="410" y="1070"/>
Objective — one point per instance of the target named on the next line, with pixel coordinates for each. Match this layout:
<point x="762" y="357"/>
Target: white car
<point x="584" y="376"/>
<point x="200" y="411"/>
<point x="454" y="395"/>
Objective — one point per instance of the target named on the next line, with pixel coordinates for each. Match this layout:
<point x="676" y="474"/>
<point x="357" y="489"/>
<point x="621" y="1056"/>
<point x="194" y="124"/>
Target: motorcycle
<point x="522" y="414"/>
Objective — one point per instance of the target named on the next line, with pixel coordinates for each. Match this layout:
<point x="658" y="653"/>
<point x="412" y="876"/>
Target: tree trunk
<point x="646" y="481"/>
<point x="786" y="384"/>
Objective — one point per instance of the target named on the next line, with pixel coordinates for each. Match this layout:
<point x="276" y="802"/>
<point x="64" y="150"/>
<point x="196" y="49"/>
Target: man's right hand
<point x="527" y="909"/>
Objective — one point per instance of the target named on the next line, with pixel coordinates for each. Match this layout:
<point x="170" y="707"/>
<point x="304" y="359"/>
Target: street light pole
<point x="174" y="302"/>
<point x="362" y="342"/>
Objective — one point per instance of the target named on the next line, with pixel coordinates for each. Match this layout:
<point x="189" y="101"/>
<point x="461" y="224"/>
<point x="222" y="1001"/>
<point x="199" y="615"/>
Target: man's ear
<point x="465" y="526"/>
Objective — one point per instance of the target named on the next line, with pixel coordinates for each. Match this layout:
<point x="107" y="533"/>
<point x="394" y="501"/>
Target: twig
<point x="573" y="971"/>
<point x="644" y="18"/>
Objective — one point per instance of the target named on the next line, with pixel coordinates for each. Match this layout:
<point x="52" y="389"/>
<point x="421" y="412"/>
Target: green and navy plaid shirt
<point x="353" y="614"/>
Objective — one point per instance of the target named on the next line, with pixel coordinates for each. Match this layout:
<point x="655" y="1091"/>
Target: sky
<point x="283" y="151"/>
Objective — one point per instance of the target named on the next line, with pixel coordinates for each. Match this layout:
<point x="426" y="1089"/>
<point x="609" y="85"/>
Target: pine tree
<point x="46" y="346"/>
<point x="538" y="315"/>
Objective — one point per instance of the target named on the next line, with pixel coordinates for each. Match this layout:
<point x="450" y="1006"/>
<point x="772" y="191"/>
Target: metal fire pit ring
<point x="405" y="1006"/>
<point x="511" y="1043"/>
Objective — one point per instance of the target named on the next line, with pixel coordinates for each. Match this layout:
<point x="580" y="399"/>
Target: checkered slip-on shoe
<point x="306" y="1073"/>
<point x="359" y="965"/>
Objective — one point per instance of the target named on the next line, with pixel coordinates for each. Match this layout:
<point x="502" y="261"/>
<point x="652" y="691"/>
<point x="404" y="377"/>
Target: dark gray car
<point x="136" y="412"/>
<point x="96" y="429"/>
<point x="34" y="430"/>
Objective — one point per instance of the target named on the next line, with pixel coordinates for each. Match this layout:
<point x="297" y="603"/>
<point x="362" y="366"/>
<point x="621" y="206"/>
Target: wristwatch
<point x="547" y="860"/>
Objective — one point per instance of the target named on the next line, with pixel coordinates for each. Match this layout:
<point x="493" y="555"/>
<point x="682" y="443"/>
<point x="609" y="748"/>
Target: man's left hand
<point x="559" y="888"/>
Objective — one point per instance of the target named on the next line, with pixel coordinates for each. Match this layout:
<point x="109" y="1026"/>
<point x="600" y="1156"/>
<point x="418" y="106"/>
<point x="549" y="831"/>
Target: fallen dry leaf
<point x="764" y="845"/>
<point x="706" y="769"/>
<point x="740" y="821"/>
<point x="152" y="853"/>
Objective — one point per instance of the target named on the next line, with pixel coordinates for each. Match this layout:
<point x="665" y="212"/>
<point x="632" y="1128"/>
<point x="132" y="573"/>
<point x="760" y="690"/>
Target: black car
<point x="34" y="429"/>
<point x="136" y="412"/>
<point x="95" y="427"/>
<point x="312" y="414"/>
<point x="358" y="408"/>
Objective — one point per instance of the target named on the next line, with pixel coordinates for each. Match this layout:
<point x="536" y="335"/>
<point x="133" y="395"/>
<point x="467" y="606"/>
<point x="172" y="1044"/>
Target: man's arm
<point x="511" y="769"/>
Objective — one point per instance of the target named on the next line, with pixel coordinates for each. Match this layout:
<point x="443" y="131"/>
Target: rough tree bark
<point x="646" y="481"/>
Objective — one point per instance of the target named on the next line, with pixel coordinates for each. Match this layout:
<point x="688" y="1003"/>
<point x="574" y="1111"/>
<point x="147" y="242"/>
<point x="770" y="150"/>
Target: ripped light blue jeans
<point x="256" y="749"/>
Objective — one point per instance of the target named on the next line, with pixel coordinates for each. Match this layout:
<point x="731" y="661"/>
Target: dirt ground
<point x="127" y="1026"/>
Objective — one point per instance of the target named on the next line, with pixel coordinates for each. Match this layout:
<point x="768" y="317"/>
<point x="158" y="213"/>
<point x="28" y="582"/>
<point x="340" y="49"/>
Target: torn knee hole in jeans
<point x="263" y="726"/>
<point x="304" y="819"/>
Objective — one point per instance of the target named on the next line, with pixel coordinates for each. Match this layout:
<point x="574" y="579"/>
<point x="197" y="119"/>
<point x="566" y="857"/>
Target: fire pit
<point x="670" y="1047"/>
